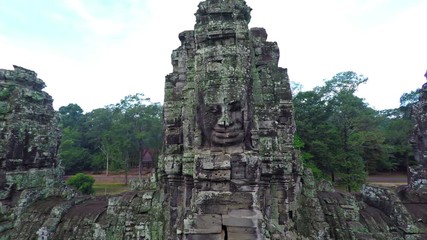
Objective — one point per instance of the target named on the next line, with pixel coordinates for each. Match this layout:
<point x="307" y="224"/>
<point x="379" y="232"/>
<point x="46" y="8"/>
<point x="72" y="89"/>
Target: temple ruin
<point x="228" y="170"/>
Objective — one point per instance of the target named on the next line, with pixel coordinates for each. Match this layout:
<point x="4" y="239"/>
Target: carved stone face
<point x="228" y="128"/>
<point x="224" y="122"/>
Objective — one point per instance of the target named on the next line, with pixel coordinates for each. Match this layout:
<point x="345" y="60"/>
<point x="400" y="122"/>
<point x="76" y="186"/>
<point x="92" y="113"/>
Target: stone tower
<point x="29" y="140"/>
<point x="28" y="122"/>
<point x="418" y="173"/>
<point x="229" y="170"/>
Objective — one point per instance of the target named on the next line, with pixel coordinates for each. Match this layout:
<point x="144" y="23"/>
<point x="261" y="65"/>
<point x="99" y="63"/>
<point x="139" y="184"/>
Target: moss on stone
<point x="4" y="108"/>
<point x="6" y="92"/>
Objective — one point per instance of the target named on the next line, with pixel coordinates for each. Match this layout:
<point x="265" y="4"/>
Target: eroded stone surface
<point x="29" y="139"/>
<point x="226" y="152"/>
<point x="418" y="174"/>
<point x="28" y="123"/>
<point x="228" y="170"/>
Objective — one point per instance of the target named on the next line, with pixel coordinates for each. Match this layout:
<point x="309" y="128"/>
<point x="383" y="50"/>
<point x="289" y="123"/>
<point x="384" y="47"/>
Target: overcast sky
<point x="95" y="52"/>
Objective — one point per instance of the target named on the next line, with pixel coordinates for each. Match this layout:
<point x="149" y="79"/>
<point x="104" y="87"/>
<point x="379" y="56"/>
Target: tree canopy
<point x="344" y="138"/>
<point x="110" y="138"/>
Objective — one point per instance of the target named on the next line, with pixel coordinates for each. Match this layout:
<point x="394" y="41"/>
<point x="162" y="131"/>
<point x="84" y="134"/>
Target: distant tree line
<point x="112" y="138"/>
<point x="342" y="139"/>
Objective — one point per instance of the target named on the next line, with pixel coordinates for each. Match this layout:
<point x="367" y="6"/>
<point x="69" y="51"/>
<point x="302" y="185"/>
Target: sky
<point x="96" y="52"/>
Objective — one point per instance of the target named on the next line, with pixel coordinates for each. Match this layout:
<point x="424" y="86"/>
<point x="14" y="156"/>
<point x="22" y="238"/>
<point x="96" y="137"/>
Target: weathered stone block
<point x="219" y="162"/>
<point x="210" y="202"/>
<point x="214" y="175"/>
<point x="173" y="165"/>
<point x="242" y="218"/>
<point x="243" y="233"/>
<point x="203" y="224"/>
<point x="223" y="186"/>
<point x="205" y="237"/>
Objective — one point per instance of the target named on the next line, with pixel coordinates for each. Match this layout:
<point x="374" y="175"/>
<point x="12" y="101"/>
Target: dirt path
<point x="115" y="178"/>
<point x="388" y="179"/>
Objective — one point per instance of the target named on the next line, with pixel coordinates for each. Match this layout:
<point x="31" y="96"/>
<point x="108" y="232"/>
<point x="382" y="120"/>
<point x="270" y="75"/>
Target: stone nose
<point x="225" y="119"/>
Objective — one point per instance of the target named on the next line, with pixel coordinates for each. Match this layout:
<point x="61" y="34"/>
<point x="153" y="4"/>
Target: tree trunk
<point x="106" y="171"/>
<point x="140" y="163"/>
<point x="126" y="168"/>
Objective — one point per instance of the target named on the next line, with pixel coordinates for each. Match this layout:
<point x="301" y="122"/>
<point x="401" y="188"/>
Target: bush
<point x="82" y="182"/>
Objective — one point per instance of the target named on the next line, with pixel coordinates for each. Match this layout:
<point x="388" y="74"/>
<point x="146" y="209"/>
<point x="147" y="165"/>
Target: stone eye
<point x="235" y="106"/>
<point x="214" y="109"/>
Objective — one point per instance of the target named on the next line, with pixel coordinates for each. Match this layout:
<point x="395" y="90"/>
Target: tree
<point x="327" y="120"/>
<point x="100" y="138"/>
<point x="74" y="157"/>
<point x="71" y="115"/>
<point x="73" y="152"/>
<point x="397" y="127"/>
<point x="110" y="138"/>
<point x="136" y="125"/>
<point x="342" y="82"/>
<point x="82" y="182"/>
<point x="407" y="101"/>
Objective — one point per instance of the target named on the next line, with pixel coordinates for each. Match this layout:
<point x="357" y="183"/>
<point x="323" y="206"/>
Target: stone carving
<point x="223" y="123"/>
<point x="29" y="139"/>
<point x="228" y="170"/>
<point x="28" y="123"/>
<point x="229" y="127"/>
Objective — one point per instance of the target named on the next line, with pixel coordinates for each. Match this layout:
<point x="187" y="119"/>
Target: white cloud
<point x="100" y="26"/>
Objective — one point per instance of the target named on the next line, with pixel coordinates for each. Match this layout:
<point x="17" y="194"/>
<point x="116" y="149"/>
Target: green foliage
<point x="37" y="96"/>
<point x="306" y="158"/>
<point x="6" y="92"/>
<point x="407" y="101"/>
<point x="82" y="182"/>
<point x="352" y="173"/>
<point x="298" y="143"/>
<point x="71" y="116"/>
<point x="410" y="98"/>
<point x="4" y="107"/>
<point x="397" y="131"/>
<point x="74" y="157"/>
<point x="343" y="82"/>
<point x="328" y="119"/>
<point x="317" y="173"/>
<point x="341" y="136"/>
<point x="110" y="138"/>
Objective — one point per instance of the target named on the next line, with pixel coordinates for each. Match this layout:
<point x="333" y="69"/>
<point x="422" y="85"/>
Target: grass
<point x="109" y="188"/>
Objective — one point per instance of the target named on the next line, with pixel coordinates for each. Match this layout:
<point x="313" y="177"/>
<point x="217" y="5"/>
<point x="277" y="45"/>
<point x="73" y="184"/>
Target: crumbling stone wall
<point x="34" y="201"/>
<point x="29" y="139"/>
